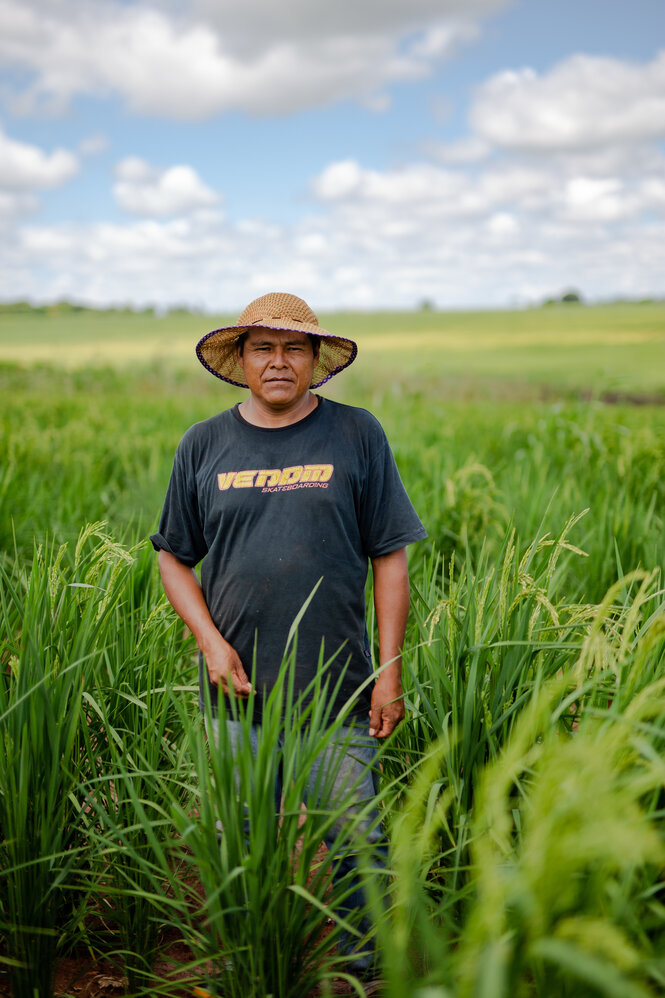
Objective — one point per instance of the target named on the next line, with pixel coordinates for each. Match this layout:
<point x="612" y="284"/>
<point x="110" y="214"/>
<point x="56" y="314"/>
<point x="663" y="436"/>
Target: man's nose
<point x="279" y="357"/>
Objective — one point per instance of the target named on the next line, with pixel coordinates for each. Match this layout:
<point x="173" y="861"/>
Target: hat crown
<point x="278" y="306"/>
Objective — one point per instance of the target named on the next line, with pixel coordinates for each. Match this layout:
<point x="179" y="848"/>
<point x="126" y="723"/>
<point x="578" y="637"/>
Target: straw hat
<point x="277" y="310"/>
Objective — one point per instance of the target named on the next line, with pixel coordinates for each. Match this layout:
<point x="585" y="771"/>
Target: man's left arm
<point x="391" y="603"/>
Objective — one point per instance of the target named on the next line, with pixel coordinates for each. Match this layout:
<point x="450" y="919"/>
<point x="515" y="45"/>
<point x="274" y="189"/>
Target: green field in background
<point x="590" y="349"/>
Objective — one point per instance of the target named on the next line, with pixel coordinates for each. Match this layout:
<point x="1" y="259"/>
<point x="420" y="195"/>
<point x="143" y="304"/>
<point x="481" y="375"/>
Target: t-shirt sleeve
<point x="180" y="531"/>
<point x="388" y="520"/>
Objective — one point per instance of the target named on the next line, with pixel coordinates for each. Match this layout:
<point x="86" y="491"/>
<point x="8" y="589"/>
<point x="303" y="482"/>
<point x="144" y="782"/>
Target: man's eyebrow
<point x="262" y="341"/>
<point x="269" y="340"/>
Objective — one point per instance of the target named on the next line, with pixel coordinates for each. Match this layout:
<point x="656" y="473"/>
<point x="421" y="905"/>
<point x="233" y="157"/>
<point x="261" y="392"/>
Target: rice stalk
<point x="272" y="912"/>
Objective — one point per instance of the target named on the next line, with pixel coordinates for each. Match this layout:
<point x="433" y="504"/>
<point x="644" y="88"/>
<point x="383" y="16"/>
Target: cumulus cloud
<point x="255" y="23"/>
<point x="143" y="190"/>
<point x="13" y="206"/>
<point x="584" y="102"/>
<point x="25" y="167"/>
<point x="93" y="145"/>
<point x="424" y="191"/>
<point x="470" y="149"/>
<point x="148" y="261"/>
<point x="257" y="56"/>
<point x="507" y="230"/>
<point x="560" y="174"/>
<point x="506" y="234"/>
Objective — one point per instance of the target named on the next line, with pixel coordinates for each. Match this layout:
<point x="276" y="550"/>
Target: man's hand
<point x="387" y="706"/>
<point x="184" y="593"/>
<point x="226" y="670"/>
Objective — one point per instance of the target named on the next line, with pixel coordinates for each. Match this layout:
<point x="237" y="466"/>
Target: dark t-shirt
<point x="270" y="512"/>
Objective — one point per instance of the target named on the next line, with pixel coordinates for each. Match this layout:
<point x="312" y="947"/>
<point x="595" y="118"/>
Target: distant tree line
<point x="64" y="308"/>
<point x="70" y="308"/>
<point x="573" y="297"/>
<point x="570" y="297"/>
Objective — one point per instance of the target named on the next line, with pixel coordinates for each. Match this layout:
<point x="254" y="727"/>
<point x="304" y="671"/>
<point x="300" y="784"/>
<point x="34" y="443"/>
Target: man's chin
<point x="280" y="393"/>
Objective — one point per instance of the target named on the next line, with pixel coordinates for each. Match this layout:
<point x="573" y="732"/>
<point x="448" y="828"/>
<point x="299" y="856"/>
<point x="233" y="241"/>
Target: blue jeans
<point x="355" y="783"/>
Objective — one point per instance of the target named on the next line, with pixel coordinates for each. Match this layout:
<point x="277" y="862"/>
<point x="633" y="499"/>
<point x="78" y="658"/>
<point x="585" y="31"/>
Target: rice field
<point x="523" y="795"/>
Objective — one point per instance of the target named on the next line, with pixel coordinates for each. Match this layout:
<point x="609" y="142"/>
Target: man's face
<point x="278" y="365"/>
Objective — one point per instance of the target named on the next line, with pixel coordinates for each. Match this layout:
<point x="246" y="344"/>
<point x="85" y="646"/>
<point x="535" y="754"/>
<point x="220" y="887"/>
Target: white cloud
<point x="253" y="24"/>
<point x="504" y="233"/>
<point x="424" y="191"/>
<point x="418" y="183"/>
<point x="26" y="167"/>
<point x="502" y="224"/>
<point x="143" y="190"/>
<point x="612" y="198"/>
<point x="470" y="149"/>
<point x="93" y="145"/>
<point x="13" y="206"/>
<point x="339" y="180"/>
<point x="582" y="103"/>
<point x="258" y="56"/>
<point x="506" y="230"/>
<point x="595" y="199"/>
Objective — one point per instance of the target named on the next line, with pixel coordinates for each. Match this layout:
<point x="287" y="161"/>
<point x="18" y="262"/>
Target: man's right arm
<point x="184" y="593"/>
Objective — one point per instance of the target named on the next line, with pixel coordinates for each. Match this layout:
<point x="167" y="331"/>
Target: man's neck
<point x="256" y="412"/>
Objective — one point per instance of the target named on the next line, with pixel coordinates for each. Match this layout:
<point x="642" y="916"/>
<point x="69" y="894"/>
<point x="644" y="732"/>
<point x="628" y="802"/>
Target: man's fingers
<point x="240" y="689"/>
<point x="383" y="720"/>
<point x="241" y="683"/>
<point x="375" y="721"/>
<point x="232" y="678"/>
<point x="388" y="726"/>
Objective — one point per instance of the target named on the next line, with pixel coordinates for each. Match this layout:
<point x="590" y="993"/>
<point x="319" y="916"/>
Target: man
<point x="283" y="495"/>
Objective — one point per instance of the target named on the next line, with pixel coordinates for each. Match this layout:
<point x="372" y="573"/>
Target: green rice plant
<point x="41" y="847"/>
<point x="134" y="881"/>
<point x="133" y="738"/>
<point x="540" y="460"/>
<point x="560" y="891"/>
<point x="624" y="638"/>
<point x="586" y="456"/>
<point x="272" y="912"/>
<point x="566" y="899"/>
<point x="470" y="507"/>
<point x="566" y="872"/>
<point x="88" y="664"/>
<point x="418" y="929"/>
<point x="485" y="640"/>
<point x="49" y="633"/>
<point x="483" y="636"/>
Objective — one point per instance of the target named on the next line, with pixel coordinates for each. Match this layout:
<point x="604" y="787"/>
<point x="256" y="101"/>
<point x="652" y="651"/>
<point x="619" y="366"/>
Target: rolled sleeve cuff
<point x="396" y="543"/>
<point x="160" y="543"/>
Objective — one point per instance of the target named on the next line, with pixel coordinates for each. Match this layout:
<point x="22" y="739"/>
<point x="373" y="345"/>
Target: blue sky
<point x="361" y="154"/>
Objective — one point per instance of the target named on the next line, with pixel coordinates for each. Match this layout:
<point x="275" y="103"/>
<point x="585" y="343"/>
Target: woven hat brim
<point x="217" y="352"/>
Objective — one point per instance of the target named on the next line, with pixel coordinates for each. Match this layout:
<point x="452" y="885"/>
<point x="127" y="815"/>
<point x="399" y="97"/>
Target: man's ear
<point x="239" y="353"/>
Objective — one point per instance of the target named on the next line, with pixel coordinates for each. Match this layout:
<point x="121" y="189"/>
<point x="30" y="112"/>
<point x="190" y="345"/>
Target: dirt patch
<point x="624" y="398"/>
